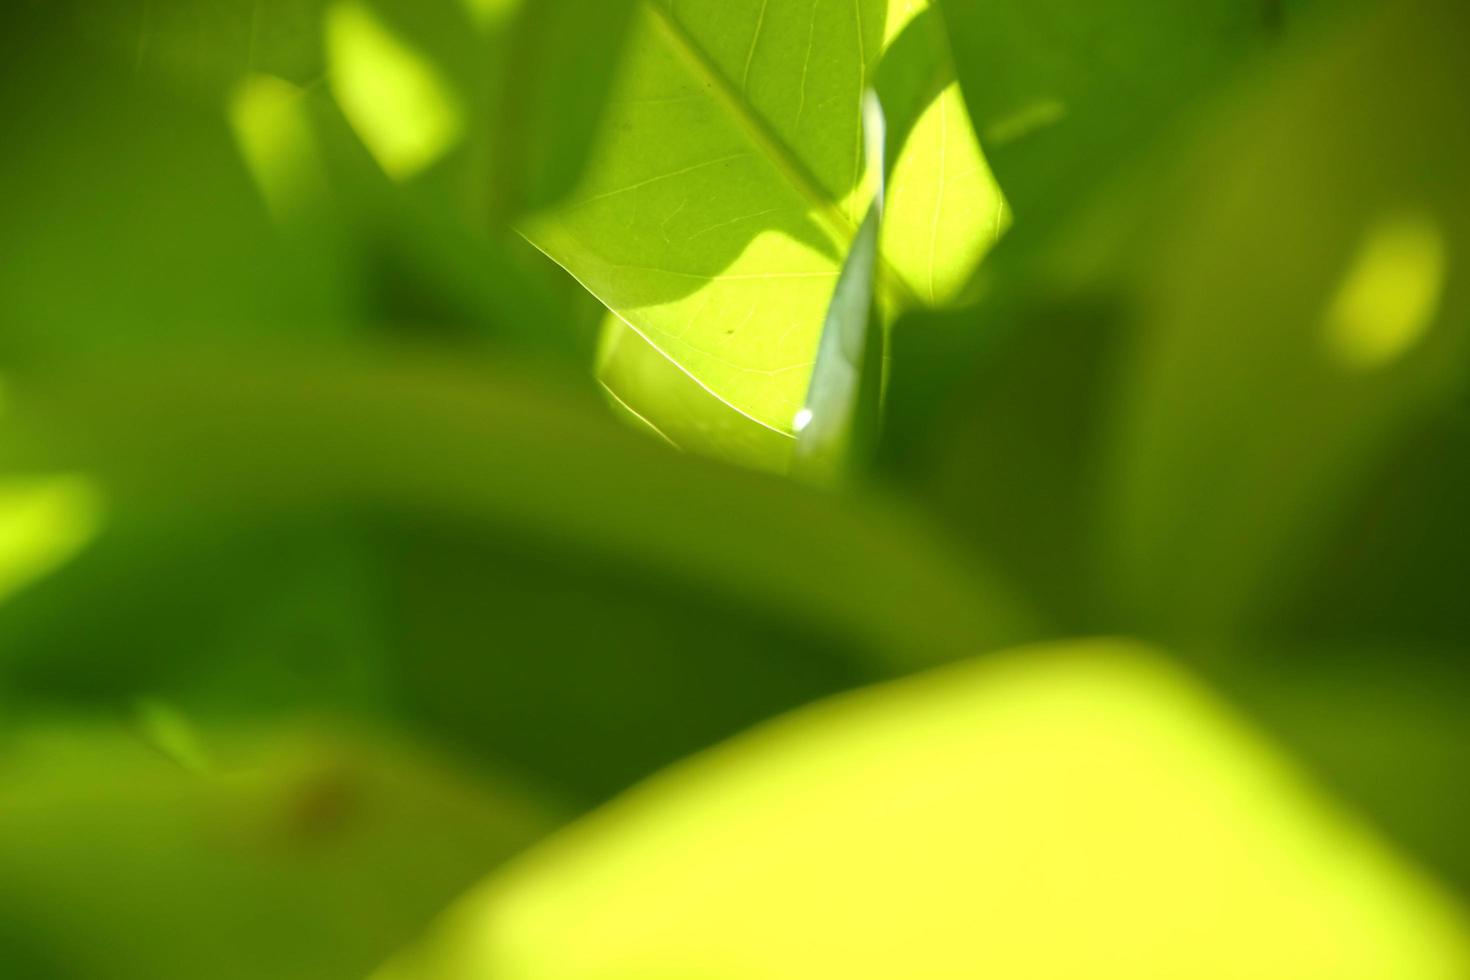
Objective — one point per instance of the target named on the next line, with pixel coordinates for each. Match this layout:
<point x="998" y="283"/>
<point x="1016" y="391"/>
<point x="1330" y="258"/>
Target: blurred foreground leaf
<point x="513" y="570"/>
<point x="1082" y="810"/>
<point x="304" y="856"/>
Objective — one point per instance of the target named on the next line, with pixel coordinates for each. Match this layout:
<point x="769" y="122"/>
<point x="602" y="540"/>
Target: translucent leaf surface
<point x="645" y="385"/>
<point x="729" y="184"/>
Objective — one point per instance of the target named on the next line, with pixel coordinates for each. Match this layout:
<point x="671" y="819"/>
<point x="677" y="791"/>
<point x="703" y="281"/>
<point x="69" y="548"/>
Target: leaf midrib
<point x="836" y="225"/>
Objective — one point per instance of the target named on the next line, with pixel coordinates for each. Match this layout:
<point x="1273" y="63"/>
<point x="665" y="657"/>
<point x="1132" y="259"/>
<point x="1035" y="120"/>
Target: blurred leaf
<point x="528" y="79"/>
<point x="552" y="570"/>
<point x="1396" y="554"/>
<point x="1384" y="724"/>
<point x="141" y="127"/>
<point x="996" y="419"/>
<point x="1080" y="810"/>
<point x="1254" y="404"/>
<point x="1063" y="92"/>
<point x="130" y="219"/>
<point x="728" y="186"/>
<point x="307" y="856"/>
<point x="1176" y="361"/>
<point x="1229" y="407"/>
<point x="43" y="523"/>
<point x="394" y="96"/>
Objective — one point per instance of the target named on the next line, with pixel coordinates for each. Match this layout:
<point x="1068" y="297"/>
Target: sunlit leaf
<point x="643" y="384"/>
<point x="729" y="185"/>
<point x="1078" y="811"/>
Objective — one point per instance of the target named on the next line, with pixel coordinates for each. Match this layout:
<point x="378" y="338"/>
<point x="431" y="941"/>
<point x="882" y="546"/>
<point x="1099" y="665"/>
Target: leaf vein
<point x="654" y="180"/>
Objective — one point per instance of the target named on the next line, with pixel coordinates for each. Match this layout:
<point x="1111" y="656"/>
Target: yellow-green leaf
<point x="1084" y="810"/>
<point x="729" y="184"/>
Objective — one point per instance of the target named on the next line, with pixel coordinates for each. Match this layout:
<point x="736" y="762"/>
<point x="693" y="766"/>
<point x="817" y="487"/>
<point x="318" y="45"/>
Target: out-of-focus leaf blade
<point x="1384" y="724"/>
<point x="1206" y="331"/>
<point x="1298" y="320"/>
<point x="1064" y="91"/>
<point x="1079" y="810"/>
<point x="1230" y="402"/>
<point x="508" y="502"/>
<point x="304" y="856"/>
<point x="131" y="220"/>
<point x="211" y="172"/>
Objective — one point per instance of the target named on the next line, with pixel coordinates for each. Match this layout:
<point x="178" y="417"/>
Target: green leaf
<point x="728" y="187"/>
<point x="1204" y="377"/>
<point x="839" y="422"/>
<point x="1063" y="92"/>
<point x="131" y="219"/>
<point x="235" y="498"/>
<point x="526" y="81"/>
<point x="1081" y="810"/>
<point x="191" y="164"/>
<point x="559" y="63"/>
<point x="1384" y="724"/>
<point x="304" y="856"/>
<point x="1300" y="321"/>
<point x="43" y="523"/>
<point x="1231" y="411"/>
<point x="644" y="385"/>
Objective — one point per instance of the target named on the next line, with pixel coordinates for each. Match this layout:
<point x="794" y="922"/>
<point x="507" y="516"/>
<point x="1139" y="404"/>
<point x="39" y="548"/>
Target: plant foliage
<point x="734" y="488"/>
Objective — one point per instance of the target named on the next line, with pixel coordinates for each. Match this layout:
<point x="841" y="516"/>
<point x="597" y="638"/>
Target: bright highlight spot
<point x="1084" y="810"/>
<point x="802" y="420"/>
<point x="394" y="97"/>
<point x="43" y="523"/>
<point x="1388" y="298"/>
<point x="277" y="141"/>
